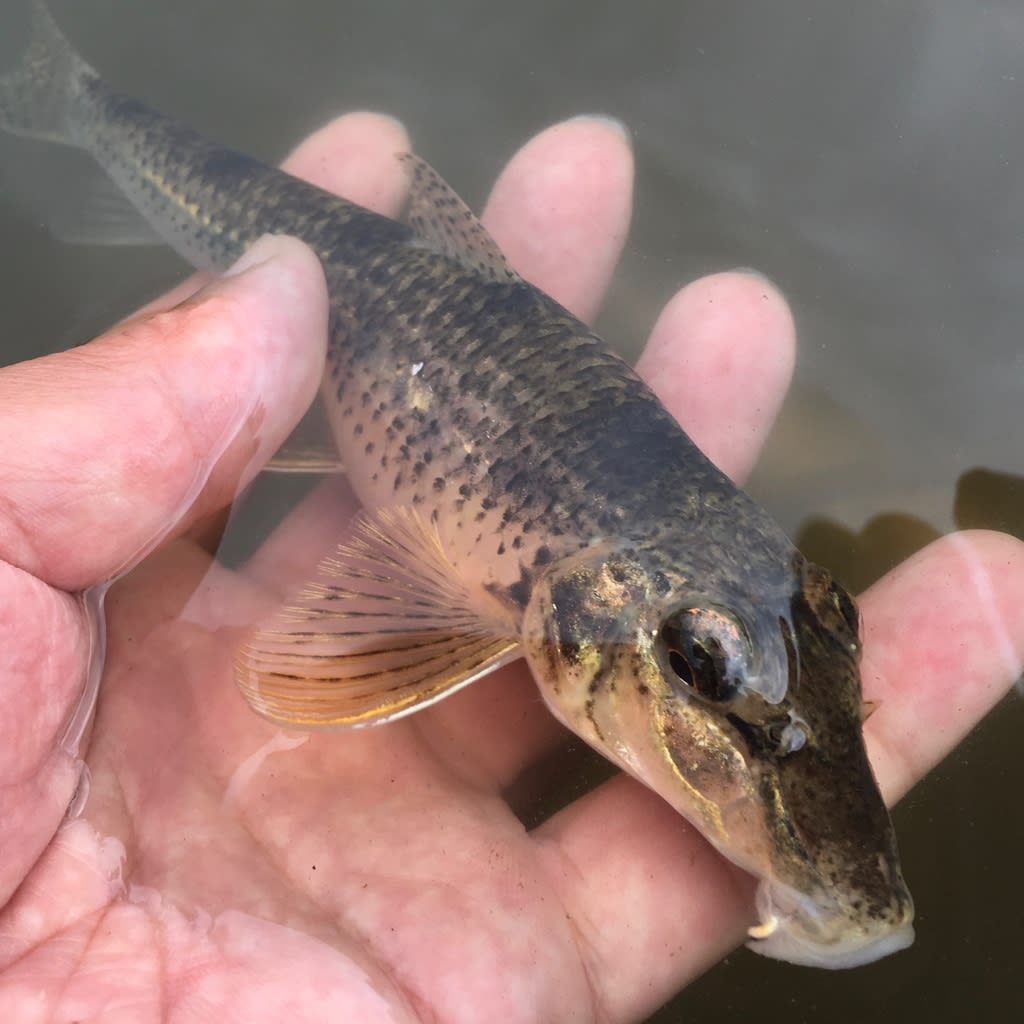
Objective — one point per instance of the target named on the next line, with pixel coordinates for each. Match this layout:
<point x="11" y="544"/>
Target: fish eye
<point x="697" y="647"/>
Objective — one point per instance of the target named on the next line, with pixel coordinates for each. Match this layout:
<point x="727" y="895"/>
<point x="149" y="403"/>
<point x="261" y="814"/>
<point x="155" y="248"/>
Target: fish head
<point x="746" y="716"/>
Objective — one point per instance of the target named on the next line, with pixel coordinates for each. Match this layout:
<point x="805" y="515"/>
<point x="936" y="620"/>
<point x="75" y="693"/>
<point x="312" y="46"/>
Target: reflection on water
<point x="867" y="158"/>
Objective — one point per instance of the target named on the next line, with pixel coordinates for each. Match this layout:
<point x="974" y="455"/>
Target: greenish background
<point x="867" y="157"/>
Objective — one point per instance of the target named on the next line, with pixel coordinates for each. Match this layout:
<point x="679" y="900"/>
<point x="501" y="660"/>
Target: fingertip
<point x="561" y="209"/>
<point x="943" y="643"/>
<point x="354" y="156"/>
<point x="720" y="358"/>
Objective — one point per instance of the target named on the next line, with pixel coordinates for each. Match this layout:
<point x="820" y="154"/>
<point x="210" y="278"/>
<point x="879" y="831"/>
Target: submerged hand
<point x="223" y="869"/>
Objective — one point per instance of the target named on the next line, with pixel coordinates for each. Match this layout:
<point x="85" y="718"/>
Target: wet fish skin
<point x="667" y="618"/>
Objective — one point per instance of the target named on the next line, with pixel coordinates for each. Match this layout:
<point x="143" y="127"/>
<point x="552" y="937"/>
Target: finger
<point x="943" y="642"/>
<point x="355" y="156"/>
<point x="720" y="358"/>
<point x="944" y="639"/>
<point x="127" y="440"/>
<point x="46" y="644"/>
<point x="561" y="208"/>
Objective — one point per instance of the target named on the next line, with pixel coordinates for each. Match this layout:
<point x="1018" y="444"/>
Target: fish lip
<point x="801" y="931"/>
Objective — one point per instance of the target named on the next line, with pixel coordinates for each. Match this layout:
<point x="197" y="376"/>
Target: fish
<point x="525" y="495"/>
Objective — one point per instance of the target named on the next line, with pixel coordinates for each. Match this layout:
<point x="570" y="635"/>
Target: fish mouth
<point x="815" y="933"/>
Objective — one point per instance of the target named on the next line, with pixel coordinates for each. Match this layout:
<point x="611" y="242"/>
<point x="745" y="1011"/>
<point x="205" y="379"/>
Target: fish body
<point x="527" y="494"/>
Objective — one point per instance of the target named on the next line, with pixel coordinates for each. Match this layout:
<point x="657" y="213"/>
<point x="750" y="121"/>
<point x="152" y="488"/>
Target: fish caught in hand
<point x="526" y="495"/>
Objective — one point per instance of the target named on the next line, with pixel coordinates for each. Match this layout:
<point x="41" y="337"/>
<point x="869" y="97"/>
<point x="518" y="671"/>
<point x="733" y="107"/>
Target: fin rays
<point x="388" y="628"/>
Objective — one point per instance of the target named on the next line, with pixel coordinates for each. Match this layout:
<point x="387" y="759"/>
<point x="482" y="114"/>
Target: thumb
<point x="112" y="447"/>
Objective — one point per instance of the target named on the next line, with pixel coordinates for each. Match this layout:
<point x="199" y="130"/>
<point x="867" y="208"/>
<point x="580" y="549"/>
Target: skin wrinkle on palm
<point x="380" y="868"/>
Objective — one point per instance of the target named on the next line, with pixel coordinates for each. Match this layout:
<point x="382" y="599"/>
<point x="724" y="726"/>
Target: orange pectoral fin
<point x="387" y="628"/>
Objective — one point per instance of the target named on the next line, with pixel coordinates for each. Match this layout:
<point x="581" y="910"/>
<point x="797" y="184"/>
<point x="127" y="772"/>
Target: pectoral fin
<point x="387" y="628"/>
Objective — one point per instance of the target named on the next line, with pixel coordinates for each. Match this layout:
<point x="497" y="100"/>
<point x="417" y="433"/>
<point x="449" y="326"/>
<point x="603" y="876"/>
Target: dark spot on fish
<point x="642" y="689"/>
<point x="439" y="483"/>
<point x="369" y="447"/>
<point x="543" y="555"/>
<point x="519" y="592"/>
<point x="517" y="543"/>
<point x="358" y="429"/>
<point x="487" y="504"/>
<point x="398" y="480"/>
<point x="465" y="490"/>
<point x="501" y="548"/>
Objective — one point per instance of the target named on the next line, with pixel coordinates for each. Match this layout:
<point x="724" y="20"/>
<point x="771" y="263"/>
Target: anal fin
<point x="388" y="627"/>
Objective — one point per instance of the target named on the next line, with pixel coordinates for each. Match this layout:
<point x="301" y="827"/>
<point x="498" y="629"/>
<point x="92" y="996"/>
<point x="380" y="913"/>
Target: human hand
<point x="223" y="869"/>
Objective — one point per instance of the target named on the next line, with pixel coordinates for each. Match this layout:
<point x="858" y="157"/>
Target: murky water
<point x="867" y="158"/>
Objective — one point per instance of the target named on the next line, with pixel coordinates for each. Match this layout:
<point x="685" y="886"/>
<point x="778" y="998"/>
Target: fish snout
<point x="820" y="931"/>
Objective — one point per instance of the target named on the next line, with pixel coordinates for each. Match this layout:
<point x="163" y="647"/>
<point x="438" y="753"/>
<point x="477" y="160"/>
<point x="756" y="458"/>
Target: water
<point x="866" y="158"/>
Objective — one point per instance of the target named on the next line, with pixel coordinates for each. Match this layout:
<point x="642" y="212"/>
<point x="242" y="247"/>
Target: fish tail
<point x="38" y="98"/>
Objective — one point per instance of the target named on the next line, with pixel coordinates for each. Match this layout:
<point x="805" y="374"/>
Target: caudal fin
<point x="37" y="98"/>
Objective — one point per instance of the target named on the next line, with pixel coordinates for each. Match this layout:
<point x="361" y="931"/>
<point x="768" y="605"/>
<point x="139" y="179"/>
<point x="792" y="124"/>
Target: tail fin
<point x="37" y="99"/>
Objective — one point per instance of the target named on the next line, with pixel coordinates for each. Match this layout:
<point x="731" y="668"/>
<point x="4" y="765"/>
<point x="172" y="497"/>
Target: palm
<point x="391" y="851"/>
<point x="333" y="876"/>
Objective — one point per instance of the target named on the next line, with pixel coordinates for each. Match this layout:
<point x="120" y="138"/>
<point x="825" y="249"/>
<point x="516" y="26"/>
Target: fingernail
<point x="617" y="126"/>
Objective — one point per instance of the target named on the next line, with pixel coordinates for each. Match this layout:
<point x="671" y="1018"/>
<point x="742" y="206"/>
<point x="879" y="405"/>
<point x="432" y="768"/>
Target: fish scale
<point x="526" y="495"/>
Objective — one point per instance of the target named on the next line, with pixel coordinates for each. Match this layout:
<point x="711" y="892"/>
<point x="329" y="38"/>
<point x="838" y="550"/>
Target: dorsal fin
<point x="441" y="219"/>
<point x="387" y="627"/>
